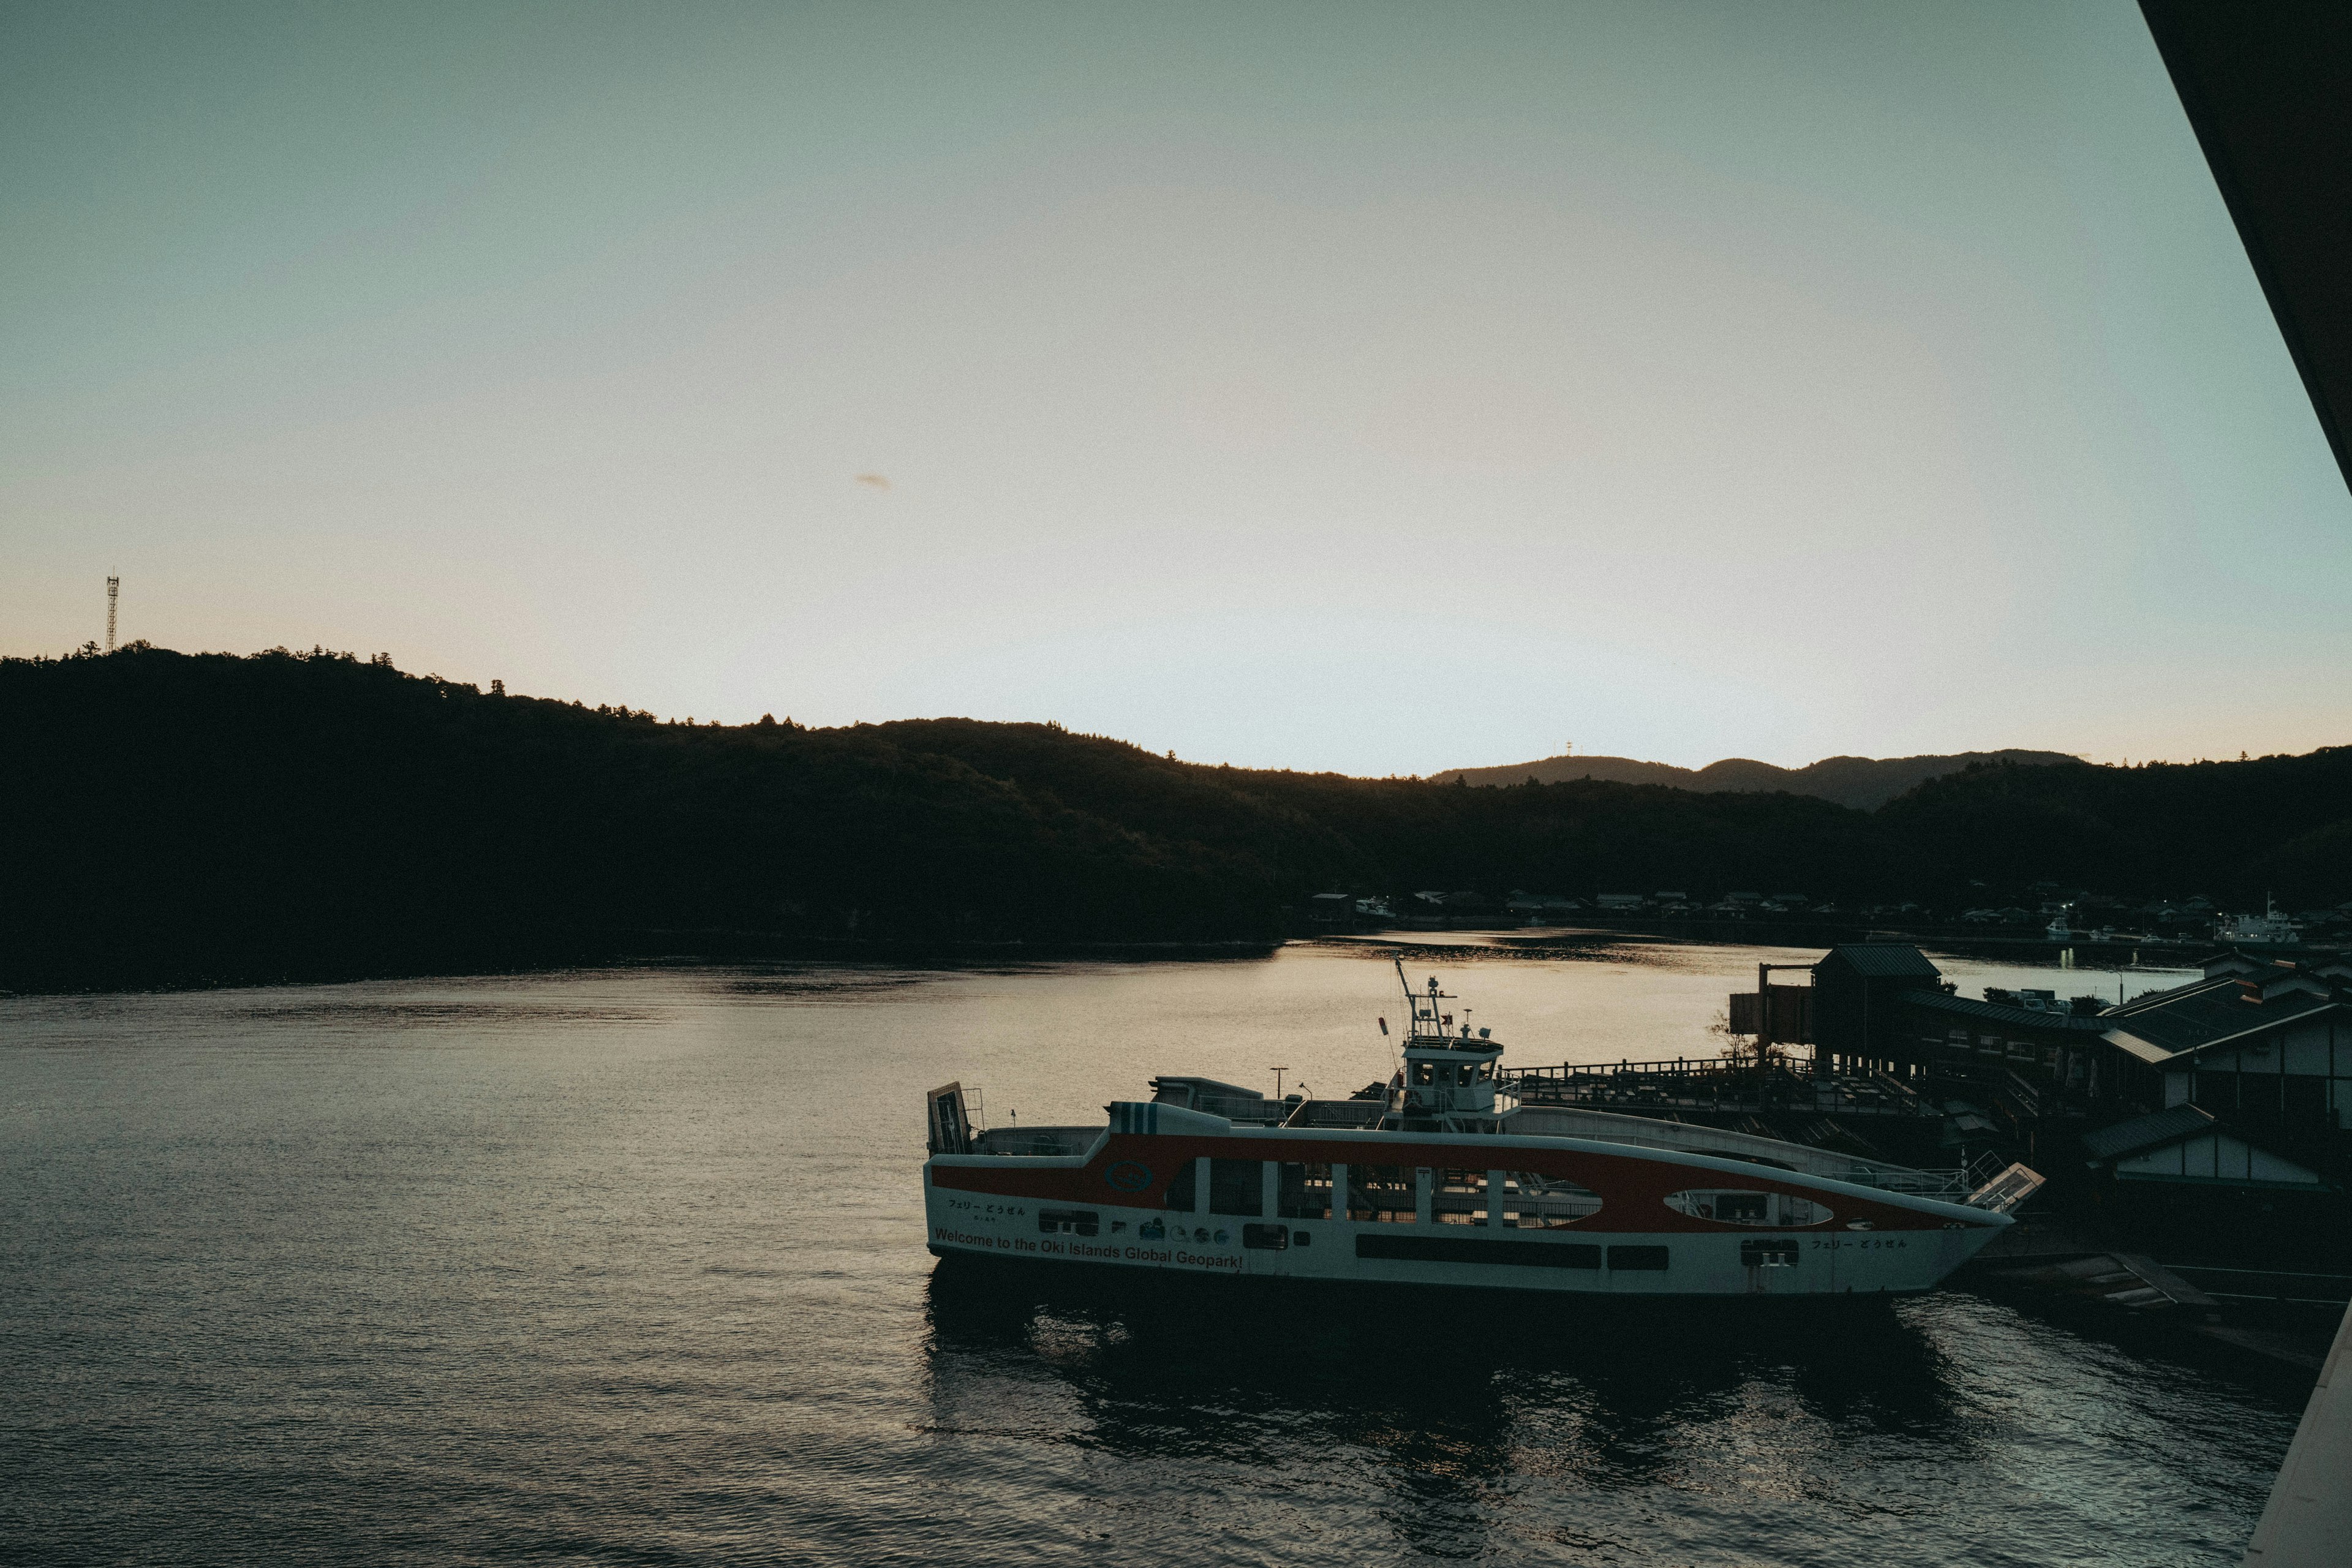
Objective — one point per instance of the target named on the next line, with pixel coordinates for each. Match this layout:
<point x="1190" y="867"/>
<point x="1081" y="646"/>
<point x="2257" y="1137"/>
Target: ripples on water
<point x="628" y="1267"/>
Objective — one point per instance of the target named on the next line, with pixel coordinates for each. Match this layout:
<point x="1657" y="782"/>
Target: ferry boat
<point x="1443" y="1179"/>
<point x="2269" y="928"/>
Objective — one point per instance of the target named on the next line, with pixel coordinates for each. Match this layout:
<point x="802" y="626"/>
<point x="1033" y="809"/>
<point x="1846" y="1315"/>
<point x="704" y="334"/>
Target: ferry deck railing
<point x="1703" y="1084"/>
<point x="1035" y="1140"/>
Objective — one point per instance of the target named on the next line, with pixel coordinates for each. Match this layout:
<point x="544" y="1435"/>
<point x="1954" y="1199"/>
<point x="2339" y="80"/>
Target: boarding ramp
<point x="2008" y="1190"/>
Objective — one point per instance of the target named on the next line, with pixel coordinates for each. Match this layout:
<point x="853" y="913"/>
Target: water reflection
<point x="432" y="1270"/>
<point x="1452" y="1413"/>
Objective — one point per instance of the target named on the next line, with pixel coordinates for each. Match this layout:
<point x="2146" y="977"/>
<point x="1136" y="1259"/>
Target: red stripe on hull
<point x="1632" y="1186"/>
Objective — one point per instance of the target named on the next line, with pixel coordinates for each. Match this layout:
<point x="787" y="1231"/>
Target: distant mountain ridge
<point x="1865" y="782"/>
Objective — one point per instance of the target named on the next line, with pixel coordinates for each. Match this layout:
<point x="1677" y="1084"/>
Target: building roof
<point x="2154" y="1130"/>
<point x="2208" y="1012"/>
<point x="2008" y="1016"/>
<point x="1884" y="960"/>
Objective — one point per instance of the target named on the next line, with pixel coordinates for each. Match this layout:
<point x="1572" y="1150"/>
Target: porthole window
<point x="1733" y="1205"/>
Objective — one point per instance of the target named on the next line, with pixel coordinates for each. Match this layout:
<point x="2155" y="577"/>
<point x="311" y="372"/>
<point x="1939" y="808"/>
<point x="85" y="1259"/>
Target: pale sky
<point x="1380" y="388"/>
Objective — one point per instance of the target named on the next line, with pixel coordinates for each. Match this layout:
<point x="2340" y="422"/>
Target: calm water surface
<point x="628" y="1266"/>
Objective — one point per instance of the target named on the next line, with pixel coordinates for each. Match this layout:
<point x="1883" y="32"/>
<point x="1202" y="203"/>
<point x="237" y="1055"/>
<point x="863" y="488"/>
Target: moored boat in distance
<point x="1441" y="1179"/>
<point x="2269" y="928"/>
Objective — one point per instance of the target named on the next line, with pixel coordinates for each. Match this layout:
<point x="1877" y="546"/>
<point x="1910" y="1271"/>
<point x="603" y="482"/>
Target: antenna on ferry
<point x="1277" y="1073"/>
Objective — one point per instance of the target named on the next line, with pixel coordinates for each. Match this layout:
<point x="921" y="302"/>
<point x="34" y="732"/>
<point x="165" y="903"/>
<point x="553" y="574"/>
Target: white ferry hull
<point x="1439" y="1184"/>
<point x="1842" y="1264"/>
<point x="1068" y="1209"/>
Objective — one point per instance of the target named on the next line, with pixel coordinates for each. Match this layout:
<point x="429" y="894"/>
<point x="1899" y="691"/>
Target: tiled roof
<point x="1882" y="959"/>
<point x="2203" y="1012"/>
<point x="2011" y="1017"/>
<point x="2151" y="1132"/>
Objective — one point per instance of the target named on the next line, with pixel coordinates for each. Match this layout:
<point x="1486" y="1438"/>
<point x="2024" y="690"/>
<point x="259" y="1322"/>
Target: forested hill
<point x="175" y="818"/>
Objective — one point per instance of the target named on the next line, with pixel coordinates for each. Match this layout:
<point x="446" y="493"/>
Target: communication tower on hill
<point x="113" y="587"/>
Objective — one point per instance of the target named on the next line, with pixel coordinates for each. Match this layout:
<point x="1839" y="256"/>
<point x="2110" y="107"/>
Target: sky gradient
<point x="1374" y="388"/>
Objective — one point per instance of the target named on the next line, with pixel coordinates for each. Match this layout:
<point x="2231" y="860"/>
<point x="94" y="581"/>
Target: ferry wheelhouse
<point x="1444" y="1179"/>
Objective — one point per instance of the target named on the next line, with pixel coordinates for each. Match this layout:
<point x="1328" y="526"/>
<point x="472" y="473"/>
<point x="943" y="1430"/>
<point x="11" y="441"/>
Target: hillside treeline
<point x="173" y="819"/>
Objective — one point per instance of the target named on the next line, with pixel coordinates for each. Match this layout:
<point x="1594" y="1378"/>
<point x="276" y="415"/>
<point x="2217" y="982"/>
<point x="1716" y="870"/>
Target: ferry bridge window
<point x="1532" y="1202"/>
<point x="1462" y="1073"/>
<point x="1421" y="1072"/>
<point x="1486" y="1071"/>
<point x="1180" y="1191"/>
<point x="1303" y="1192"/>
<point x="1381" y="1193"/>
<point x="1236" y="1187"/>
<point x="1460" y="1197"/>
<point x="1739" y="1206"/>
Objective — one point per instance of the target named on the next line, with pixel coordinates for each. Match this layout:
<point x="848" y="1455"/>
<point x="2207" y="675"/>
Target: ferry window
<point x="1421" y="1073"/>
<point x="1068" y="1222"/>
<point x="1460" y="1197"/>
<point x="1772" y="1254"/>
<point x="1383" y="1192"/>
<point x="1236" y="1186"/>
<point x="1461" y="1075"/>
<point x="1748" y="1207"/>
<point x="1180" y="1191"/>
<point x="1485" y="1072"/>
<point x="1652" y="1258"/>
<point x="1303" y="1192"/>
<point x="1532" y="1202"/>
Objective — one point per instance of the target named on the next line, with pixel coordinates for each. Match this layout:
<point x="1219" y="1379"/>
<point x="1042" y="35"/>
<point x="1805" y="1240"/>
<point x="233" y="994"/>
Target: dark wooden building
<point x="1857" y="994"/>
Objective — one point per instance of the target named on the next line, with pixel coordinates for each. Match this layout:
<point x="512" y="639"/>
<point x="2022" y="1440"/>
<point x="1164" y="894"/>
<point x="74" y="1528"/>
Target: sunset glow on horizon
<point x="1379" y="389"/>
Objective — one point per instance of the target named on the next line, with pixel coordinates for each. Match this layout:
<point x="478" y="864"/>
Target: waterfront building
<point x="2267" y="1043"/>
<point x="2189" y="1146"/>
<point x="1885" y="1006"/>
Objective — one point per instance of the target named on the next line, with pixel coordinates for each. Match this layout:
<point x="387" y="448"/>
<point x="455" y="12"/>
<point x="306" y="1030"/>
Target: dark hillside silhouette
<point x="1868" y="783"/>
<point x="176" y="819"/>
<point x="2241" y="830"/>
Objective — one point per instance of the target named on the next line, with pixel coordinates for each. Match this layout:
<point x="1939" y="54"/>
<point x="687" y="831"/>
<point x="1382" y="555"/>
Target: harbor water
<point x="627" y="1266"/>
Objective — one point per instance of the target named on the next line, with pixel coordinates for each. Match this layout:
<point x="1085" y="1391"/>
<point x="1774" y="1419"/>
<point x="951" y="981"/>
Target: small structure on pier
<point x="1857" y="994"/>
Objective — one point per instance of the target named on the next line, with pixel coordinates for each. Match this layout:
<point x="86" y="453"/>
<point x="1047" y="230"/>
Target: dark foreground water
<point x="628" y="1267"/>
